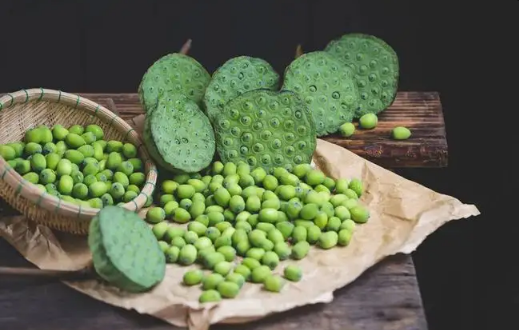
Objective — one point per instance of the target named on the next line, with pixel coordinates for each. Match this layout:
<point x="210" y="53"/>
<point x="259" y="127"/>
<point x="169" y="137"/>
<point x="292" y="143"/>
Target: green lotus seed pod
<point x="359" y="214"/>
<point x="211" y="281"/>
<point x="331" y="106"/>
<point x="293" y="273"/>
<point x="173" y="73"/>
<point x="376" y="72"/>
<point x="235" y="130"/>
<point x="209" y="296"/>
<point x="192" y="277"/>
<point x="328" y="240"/>
<point x="273" y="283"/>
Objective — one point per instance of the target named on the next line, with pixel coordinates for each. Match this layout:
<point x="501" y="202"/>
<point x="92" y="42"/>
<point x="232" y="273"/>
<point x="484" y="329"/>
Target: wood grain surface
<point x="386" y="297"/>
<point x="421" y="112"/>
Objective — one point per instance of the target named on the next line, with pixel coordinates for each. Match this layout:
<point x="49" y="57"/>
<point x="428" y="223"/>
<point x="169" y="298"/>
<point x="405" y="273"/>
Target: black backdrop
<point x="106" y="45"/>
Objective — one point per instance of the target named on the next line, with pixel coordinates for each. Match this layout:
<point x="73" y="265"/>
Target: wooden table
<point x="386" y="297"/>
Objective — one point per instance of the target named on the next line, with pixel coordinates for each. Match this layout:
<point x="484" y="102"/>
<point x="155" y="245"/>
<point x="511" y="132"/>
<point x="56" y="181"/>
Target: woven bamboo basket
<point x="26" y="109"/>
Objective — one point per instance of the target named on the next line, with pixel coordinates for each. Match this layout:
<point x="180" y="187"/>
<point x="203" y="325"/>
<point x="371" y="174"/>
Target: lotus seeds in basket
<point x="77" y="165"/>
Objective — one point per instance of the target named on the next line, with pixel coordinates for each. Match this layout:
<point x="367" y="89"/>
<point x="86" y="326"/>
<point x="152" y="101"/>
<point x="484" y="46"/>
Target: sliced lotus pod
<point x="236" y="76"/>
<point x="328" y="87"/>
<point x="376" y="67"/>
<point x="151" y="147"/>
<point x="177" y="73"/>
<point x="266" y="129"/>
<point x="182" y="135"/>
<point x="125" y="252"/>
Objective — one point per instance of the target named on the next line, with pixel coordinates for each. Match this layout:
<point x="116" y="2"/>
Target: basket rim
<point x="52" y="203"/>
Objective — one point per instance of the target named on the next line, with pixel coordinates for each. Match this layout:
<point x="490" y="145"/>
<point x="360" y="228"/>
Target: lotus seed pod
<point x="376" y="68"/>
<point x="236" y="76"/>
<point x="266" y="129"/>
<point x="173" y="73"/>
<point x="328" y="87"/>
<point x="179" y="136"/>
<point x="125" y="251"/>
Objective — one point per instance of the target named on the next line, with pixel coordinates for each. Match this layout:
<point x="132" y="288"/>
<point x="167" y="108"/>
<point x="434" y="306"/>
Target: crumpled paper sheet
<point x="403" y="214"/>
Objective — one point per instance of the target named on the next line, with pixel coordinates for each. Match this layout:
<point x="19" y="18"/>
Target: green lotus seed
<point x="243" y="270"/>
<point x="211" y="281"/>
<point x="328" y="240"/>
<point x="283" y="250"/>
<point x="228" y="252"/>
<point x="251" y="263"/>
<point x="223" y="268"/>
<point x="212" y="259"/>
<point x="260" y="273"/>
<point x="160" y="229"/>
<point x="368" y="121"/>
<point x="286" y="228"/>
<point x="359" y="214"/>
<point x="273" y="283"/>
<point x="187" y="255"/>
<point x="400" y="133"/>
<point x="210" y="296"/>
<point x="271" y="259"/>
<point x="347" y="129"/>
<point x="59" y="132"/>
<point x="344" y="237"/>
<point x="163" y="246"/>
<point x="236" y="278"/>
<point x="293" y="273"/>
<point x="334" y="224"/>
<point x="300" y="250"/>
<point x="228" y="289"/>
<point x="357" y="186"/>
<point x="348" y="224"/>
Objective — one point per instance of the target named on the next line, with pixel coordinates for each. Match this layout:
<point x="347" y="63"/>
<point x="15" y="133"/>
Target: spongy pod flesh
<point x="376" y="68"/>
<point x="266" y="128"/>
<point x="235" y="77"/>
<point x="327" y="86"/>
<point x="173" y="73"/>
<point x="182" y="135"/>
<point x="124" y="250"/>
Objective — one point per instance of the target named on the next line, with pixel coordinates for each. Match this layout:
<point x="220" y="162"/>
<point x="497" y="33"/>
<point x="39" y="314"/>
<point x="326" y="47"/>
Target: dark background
<point x="106" y="46"/>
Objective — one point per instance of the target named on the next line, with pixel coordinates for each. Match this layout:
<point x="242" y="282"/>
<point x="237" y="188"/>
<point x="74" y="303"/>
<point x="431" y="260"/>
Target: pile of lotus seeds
<point x="239" y="222"/>
<point x="77" y="165"/>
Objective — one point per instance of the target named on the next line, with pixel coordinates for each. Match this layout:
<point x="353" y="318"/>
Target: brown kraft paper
<point x="403" y="214"/>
